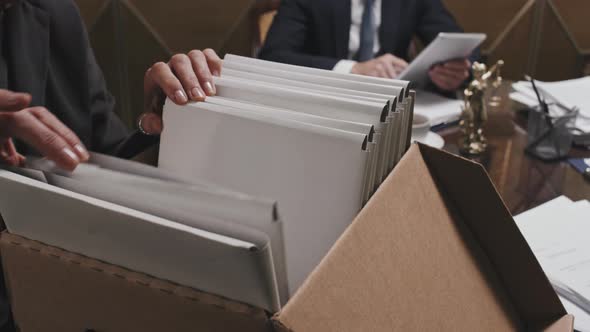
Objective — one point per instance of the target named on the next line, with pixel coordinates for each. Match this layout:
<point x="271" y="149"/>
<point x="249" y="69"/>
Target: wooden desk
<point x="522" y="181"/>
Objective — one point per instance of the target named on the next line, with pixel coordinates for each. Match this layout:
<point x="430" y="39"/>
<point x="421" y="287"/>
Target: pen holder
<point x="550" y="137"/>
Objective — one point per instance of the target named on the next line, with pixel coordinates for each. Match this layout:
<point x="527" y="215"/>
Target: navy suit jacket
<point x="315" y="33"/>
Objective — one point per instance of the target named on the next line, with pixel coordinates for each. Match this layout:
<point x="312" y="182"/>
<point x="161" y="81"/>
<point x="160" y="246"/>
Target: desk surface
<point x="522" y="181"/>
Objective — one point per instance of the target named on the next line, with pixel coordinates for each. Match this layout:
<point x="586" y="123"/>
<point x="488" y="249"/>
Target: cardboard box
<point x="435" y="249"/>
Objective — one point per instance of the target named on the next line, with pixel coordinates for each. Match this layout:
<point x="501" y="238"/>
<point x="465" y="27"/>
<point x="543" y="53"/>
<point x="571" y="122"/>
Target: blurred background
<point x="549" y="39"/>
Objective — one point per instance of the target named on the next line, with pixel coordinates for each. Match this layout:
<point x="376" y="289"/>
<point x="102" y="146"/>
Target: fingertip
<point x="82" y="152"/>
<point x="210" y="89"/>
<point x="21" y="160"/>
<point x="197" y="94"/>
<point x="179" y="97"/>
<point x="68" y="160"/>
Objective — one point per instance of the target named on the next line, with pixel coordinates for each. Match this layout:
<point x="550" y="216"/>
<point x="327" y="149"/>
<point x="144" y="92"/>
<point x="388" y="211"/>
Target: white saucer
<point x="432" y="139"/>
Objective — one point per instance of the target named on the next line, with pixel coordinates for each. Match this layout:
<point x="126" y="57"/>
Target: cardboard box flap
<point x="472" y="193"/>
<point x="55" y="290"/>
<point x="410" y="263"/>
<point x="565" y="323"/>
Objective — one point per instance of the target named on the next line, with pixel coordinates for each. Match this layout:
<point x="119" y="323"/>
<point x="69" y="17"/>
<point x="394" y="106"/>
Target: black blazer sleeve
<point x="107" y="130"/>
<point x="109" y="134"/>
<point x="288" y="37"/>
<point x="434" y="18"/>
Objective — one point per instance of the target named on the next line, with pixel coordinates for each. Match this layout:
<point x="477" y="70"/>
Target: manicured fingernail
<point x="82" y="150"/>
<point x="216" y="73"/>
<point x="180" y="97"/>
<point x="209" y="88"/>
<point x="71" y="155"/>
<point x="197" y="93"/>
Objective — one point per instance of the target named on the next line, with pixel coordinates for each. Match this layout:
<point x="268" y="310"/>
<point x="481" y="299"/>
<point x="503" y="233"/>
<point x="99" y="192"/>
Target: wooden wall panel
<point x="491" y="17"/>
<point x="557" y="55"/>
<point x="546" y="38"/>
<point x="514" y="48"/>
<point x="575" y="14"/>
<point x="184" y="25"/>
<point x="91" y="10"/>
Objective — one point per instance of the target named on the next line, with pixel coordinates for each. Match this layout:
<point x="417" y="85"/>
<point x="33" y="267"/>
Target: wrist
<point x="344" y="66"/>
<point x="149" y="124"/>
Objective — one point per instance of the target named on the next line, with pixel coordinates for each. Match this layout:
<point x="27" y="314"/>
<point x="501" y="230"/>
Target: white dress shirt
<point x="356" y="15"/>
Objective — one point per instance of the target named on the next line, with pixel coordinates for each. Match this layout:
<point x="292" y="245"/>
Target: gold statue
<point x="475" y="110"/>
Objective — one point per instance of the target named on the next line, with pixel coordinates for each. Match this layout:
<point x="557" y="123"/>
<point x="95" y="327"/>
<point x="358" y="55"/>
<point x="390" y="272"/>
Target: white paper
<point x="446" y="46"/>
<point x="138" y="241"/>
<point x="221" y="212"/>
<point x="315" y="173"/>
<point x="437" y="109"/>
<point x="557" y="232"/>
<point x="571" y="93"/>
<point x="353" y="90"/>
<point x="230" y="58"/>
<point x="355" y="127"/>
<point x="303" y="101"/>
<point x="560" y="97"/>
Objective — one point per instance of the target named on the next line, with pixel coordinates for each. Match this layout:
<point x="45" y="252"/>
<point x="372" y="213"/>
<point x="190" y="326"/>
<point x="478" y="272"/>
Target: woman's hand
<point x="186" y="77"/>
<point x="40" y="129"/>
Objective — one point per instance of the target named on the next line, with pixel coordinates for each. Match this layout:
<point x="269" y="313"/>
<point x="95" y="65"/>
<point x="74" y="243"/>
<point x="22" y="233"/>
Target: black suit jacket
<point x="48" y="55"/>
<point x="315" y="33"/>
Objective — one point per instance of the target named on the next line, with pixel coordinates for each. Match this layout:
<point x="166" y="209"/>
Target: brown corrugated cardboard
<point x="434" y="249"/>
<point x="54" y="290"/>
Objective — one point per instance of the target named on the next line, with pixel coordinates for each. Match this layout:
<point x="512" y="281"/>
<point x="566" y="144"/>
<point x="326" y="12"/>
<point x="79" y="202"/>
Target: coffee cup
<point x="420" y="126"/>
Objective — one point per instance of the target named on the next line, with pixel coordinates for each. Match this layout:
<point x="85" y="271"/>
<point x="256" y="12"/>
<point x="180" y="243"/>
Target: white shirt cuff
<point x="344" y="66"/>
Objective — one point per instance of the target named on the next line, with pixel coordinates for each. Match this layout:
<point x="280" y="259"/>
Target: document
<point x="446" y="46"/>
<point x="315" y="173"/>
<point x="314" y="83"/>
<point x="211" y="209"/>
<point x="563" y="97"/>
<point x="558" y="235"/>
<point x="139" y="241"/>
<point x="570" y="93"/>
<point x="439" y="110"/>
<point x="378" y="83"/>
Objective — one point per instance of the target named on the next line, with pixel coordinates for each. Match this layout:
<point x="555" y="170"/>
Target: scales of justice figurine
<point x="474" y="113"/>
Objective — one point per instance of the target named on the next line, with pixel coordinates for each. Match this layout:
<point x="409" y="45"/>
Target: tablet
<point x="446" y="46"/>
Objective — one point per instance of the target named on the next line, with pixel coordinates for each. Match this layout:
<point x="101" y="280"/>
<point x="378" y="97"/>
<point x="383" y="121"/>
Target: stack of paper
<point x="566" y="95"/>
<point x="147" y="220"/>
<point x="438" y="109"/>
<point x="558" y="234"/>
<point x="318" y="142"/>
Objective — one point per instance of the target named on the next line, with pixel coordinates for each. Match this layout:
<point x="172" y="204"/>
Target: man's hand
<point x="386" y="66"/>
<point x="186" y="77"/>
<point x="39" y="128"/>
<point x="450" y="75"/>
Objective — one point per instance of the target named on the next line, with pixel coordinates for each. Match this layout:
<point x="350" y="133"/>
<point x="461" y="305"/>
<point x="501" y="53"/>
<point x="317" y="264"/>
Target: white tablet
<point x="446" y="46"/>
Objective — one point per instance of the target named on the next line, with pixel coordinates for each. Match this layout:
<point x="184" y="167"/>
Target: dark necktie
<point x="367" y="40"/>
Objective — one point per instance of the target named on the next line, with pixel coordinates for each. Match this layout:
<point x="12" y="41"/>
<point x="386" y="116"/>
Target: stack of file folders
<point x="318" y="142"/>
<point x="253" y="187"/>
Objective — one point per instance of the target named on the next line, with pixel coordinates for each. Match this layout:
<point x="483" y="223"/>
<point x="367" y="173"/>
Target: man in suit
<point x="367" y="37"/>
<point x="53" y="97"/>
